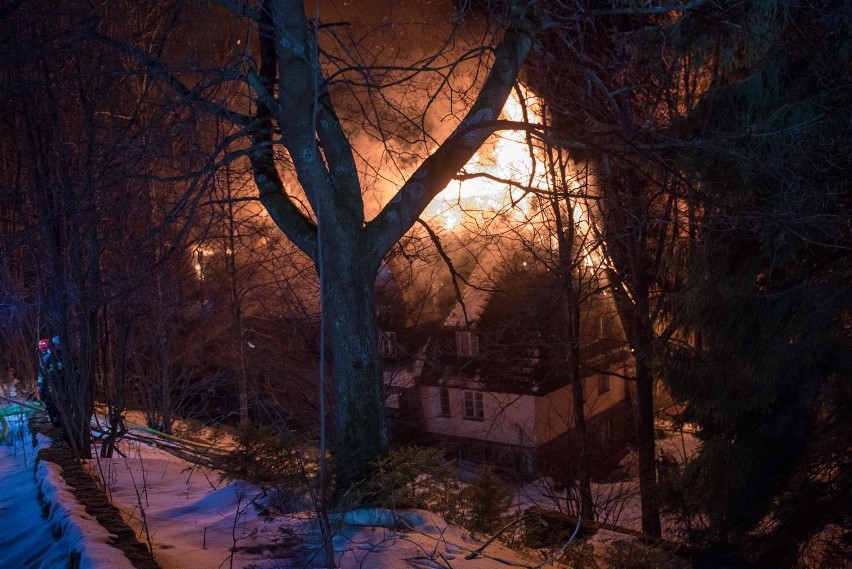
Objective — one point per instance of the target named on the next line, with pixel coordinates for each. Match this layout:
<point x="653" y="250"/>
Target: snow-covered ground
<point x="41" y="525"/>
<point x="191" y="518"/>
<point x="187" y="512"/>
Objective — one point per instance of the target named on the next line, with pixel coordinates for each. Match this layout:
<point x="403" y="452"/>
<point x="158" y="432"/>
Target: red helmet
<point x="44" y="344"/>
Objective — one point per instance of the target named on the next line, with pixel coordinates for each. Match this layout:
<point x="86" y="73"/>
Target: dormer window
<point x="467" y="344"/>
<point x="387" y="344"/>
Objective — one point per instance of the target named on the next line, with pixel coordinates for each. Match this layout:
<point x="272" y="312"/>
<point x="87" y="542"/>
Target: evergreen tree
<point x="766" y="303"/>
<point x="486" y="501"/>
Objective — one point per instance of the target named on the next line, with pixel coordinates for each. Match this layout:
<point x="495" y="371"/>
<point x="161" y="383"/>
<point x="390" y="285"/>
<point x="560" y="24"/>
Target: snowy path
<point x="53" y="531"/>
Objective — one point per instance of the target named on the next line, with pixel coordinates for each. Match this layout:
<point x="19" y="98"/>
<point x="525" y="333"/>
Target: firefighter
<point x="49" y="367"/>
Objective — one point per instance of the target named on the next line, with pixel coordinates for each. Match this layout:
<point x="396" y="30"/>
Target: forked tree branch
<point x="438" y="169"/>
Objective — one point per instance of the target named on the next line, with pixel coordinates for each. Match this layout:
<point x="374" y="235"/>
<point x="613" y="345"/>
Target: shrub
<point x="485" y="501"/>
<point x="632" y="556"/>
<point x="264" y="457"/>
<point x="414" y="477"/>
<point x="261" y="456"/>
<point x="580" y="555"/>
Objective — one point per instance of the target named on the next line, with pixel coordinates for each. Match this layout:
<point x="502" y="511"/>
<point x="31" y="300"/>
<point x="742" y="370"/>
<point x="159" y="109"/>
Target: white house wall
<point x="597" y="403"/>
<point x="507" y="418"/>
<point x="521" y="420"/>
<point x="555" y="411"/>
<point x="553" y="414"/>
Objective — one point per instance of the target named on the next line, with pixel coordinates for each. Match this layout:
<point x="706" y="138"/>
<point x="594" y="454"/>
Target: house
<point x="487" y="376"/>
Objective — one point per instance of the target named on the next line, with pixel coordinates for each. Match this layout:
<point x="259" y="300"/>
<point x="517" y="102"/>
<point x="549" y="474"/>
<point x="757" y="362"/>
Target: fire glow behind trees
<point x="293" y="98"/>
<point x="714" y="136"/>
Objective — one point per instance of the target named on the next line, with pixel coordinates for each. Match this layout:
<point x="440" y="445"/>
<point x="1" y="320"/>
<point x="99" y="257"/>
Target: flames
<point x="504" y="181"/>
<point x="503" y="184"/>
<point x="500" y="175"/>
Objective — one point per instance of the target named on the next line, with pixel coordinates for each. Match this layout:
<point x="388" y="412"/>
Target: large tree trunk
<point x="569" y="258"/>
<point x="587" y="504"/>
<point x="626" y="217"/>
<point x="635" y="315"/>
<point x="360" y="427"/>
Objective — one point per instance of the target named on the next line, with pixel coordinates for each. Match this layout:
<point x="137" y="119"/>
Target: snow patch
<point x="32" y="536"/>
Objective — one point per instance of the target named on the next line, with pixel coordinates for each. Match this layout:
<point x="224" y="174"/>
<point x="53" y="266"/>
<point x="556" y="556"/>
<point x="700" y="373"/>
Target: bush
<point x="580" y="555"/>
<point x="264" y="457"/>
<point x="485" y="501"/>
<point x="414" y="477"/>
<point x="261" y="456"/>
<point x="631" y="556"/>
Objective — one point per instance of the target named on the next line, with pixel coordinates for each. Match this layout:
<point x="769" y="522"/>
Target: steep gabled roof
<point x="513" y="305"/>
<point x="478" y="293"/>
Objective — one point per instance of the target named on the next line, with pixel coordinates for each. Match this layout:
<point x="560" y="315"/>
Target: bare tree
<point x="87" y="131"/>
<point x="346" y="250"/>
<point x="292" y="109"/>
<point x="614" y="90"/>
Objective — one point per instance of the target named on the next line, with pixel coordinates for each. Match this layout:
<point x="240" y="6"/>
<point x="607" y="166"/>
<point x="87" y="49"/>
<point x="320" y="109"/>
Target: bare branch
<point x="159" y="71"/>
<point x="240" y="9"/>
<point x="438" y="169"/>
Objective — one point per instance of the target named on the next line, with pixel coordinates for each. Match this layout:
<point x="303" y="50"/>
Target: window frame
<point x="387" y="344"/>
<point x="473" y="408"/>
<point x="467" y="344"/>
<point x="444" y="405"/>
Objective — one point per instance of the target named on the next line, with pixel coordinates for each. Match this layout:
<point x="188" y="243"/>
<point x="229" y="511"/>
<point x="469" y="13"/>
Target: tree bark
<point x="627" y="217"/>
<point x="587" y="504"/>
<point x="567" y="240"/>
<point x="360" y="428"/>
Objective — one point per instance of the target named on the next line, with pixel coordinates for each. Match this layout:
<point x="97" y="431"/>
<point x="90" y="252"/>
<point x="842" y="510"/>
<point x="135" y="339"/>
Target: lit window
<point x="387" y="344"/>
<point x="603" y="383"/>
<point x="444" y="402"/>
<point x="473" y="406"/>
<point x="467" y="344"/>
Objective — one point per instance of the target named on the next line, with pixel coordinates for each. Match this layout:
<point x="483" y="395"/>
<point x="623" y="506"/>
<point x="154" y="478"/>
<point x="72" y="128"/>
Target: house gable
<point x="494" y="370"/>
